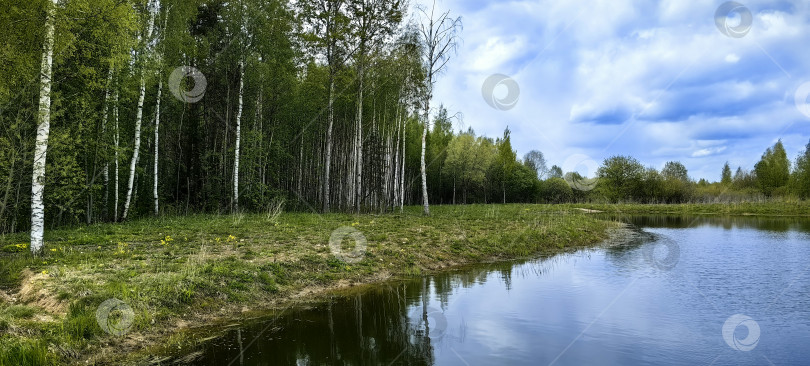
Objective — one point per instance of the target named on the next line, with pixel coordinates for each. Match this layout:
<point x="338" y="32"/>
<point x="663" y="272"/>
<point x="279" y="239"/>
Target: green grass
<point x="797" y="208"/>
<point x="180" y="271"/>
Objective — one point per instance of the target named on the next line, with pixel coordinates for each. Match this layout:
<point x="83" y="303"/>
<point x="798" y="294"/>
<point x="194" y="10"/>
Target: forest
<point x="169" y="107"/>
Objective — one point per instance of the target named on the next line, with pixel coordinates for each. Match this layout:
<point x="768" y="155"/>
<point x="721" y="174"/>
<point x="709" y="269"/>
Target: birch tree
<point x="155" y="177"/>
<point x="328" y="34"/>
<point x="151" y="9"/>
<point x="157" y="149"/>
<point x="375" y="20"/>
<point x="116" y="146"/>
<point x="104" y="119"/>
<point x="238" y="135"/>
<point x="440" y="35"/>
<point x="43" y="130"/>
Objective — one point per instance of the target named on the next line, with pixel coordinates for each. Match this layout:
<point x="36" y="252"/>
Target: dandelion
<point x="231" y="238"/>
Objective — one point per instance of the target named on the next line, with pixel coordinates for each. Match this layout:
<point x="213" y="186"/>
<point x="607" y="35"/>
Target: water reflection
<point x="778" y="224"/>
<point x="398" y="323"/>
<point x="628" y="304"/>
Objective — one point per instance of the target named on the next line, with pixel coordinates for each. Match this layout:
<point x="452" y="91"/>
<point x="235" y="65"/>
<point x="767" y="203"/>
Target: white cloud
<point x="644" y="79"/>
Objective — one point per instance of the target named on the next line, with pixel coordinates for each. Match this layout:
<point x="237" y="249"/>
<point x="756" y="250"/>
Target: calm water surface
<point x="662" y="299"/>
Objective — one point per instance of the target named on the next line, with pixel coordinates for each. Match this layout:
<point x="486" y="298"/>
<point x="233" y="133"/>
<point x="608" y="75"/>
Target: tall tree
<point x="143" y="55"/>
<point x="536" y="161"/>
<point x="621" y="178"/>
<point x="555" y="172"/>
<point x="505" y="162"/>
<point x="329" y="31"/>
<point x="155" y="163"/>
<point x="375" y="20"/>
<point x="238" y="135"/>
<point x="43" y="131"/>
<point x="676" y="171"/>
<point x="773" y="170"/>
<point x="439" y="34"/>
<point x="801" y="173"/>
<point x="726" y="175"/>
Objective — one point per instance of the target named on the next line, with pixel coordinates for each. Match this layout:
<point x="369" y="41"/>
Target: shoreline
<point x="621" y="234"/>
<point x="771" y="209"/>
<point x="180" y="273"/>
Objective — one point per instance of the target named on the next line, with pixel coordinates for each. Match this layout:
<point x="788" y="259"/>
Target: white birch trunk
<point x="425" y="204"/>
<point x="328" y="162"/>
<point x="402" y="173"/>
<point x="238" y="136"/>
<point x="157" y="149"/>
<point x="395" y="188"/>
<point x="136" y="150"/>
<point x="104" y="117"/>
<point x="43" y="131"/>
<point x="138" y="120"/>
<point x="359" y="153"/>
<point x="117" y="142"/>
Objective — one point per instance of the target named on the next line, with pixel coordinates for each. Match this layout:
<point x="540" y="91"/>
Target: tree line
<point x="112" y="109"/>
<point x="477" y="169"/>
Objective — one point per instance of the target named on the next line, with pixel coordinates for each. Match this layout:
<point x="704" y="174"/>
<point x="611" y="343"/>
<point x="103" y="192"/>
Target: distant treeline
<point x="470" y="169"/>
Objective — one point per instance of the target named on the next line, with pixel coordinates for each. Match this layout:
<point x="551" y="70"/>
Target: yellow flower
<point x="53" y="249"/>
<point x="44" y="272"/>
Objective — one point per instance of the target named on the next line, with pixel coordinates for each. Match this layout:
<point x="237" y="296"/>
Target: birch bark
<point x="238" y="136"/>
<point x="43" y="131"/>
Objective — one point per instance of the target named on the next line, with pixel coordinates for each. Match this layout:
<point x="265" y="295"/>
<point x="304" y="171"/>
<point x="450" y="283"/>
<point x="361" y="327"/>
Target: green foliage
<point x="468" y="160"/>
<point x="773" y="170"/>
<point x="556" y="190"/>
<point x="800" y="180"/>
<point x="621" y="178"/>
<point x="555" y="172"/>
<point x="726" y="175"/>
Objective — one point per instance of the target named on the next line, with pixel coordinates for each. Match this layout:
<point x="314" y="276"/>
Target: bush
<point x="557" y="190"/>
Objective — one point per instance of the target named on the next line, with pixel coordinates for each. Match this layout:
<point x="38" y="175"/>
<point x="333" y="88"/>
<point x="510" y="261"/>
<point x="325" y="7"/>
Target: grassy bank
<point x="720" y="209"/>
<point x="179" y="272"/>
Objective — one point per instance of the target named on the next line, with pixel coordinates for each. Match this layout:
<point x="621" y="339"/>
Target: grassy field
<point x="176" y="273"/>
<point x="730" y="209"/>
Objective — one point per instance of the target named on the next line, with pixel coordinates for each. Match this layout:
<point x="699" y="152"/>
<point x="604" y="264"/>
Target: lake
<point x="686" y="291"/>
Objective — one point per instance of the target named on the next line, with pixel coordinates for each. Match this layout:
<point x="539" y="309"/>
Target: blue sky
<point x="653" y="79"/>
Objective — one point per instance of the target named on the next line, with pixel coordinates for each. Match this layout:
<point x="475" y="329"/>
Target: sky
<point x="657" y="80"/>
